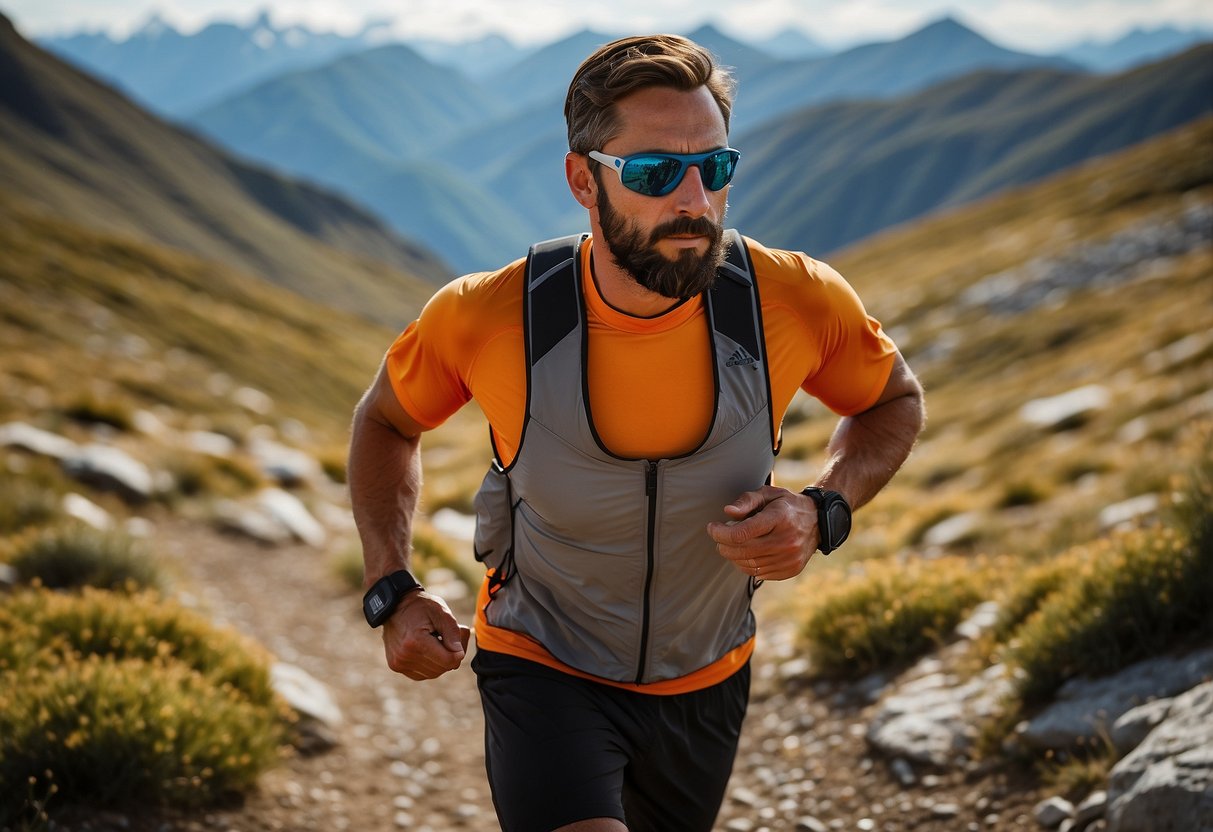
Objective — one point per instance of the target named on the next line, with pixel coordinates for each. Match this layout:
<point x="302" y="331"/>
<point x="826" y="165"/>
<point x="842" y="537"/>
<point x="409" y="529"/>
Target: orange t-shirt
<point x="650" y="379"/>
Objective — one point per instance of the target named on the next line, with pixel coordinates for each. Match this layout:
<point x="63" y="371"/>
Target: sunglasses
<point x="657" y="174"/>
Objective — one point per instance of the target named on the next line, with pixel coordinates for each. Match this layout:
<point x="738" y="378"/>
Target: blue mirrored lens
<point x="658" y="175"/>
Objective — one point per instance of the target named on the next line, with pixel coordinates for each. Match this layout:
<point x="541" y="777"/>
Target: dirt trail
<point x="409" y="755"/>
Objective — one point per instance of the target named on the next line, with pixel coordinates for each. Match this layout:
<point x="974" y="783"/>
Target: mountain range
<point x="73" y="147"/>
<point x="448" y="155"/>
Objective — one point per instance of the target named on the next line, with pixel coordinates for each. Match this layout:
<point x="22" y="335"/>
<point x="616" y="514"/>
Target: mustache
<point x="700" y="226"/>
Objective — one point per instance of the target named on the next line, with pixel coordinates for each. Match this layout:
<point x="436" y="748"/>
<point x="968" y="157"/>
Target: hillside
<point x="1098" y="279"/>
<point x="864" y="166"/>
<point x="79" y="150"/>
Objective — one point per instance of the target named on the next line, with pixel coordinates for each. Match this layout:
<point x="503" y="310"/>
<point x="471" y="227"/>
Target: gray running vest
<point x="604" y="560"/>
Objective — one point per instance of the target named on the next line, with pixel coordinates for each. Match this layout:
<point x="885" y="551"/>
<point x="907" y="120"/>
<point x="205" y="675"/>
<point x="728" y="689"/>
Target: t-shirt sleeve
<point x="428" y="363"/>
<point x="855" y="355"/>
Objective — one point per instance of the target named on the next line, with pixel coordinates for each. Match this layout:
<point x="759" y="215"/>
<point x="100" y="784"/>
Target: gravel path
<point x="410" y="757"/>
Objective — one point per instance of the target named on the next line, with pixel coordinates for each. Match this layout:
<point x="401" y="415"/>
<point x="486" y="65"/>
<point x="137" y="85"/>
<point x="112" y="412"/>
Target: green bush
<point x="75" y="555"/>
<point x="891" y="614"/>
<point x="111" y="699"/>
<point x="41" y="627"/>
<point x="1132" y="596"/>
<point x="110" y="733"/>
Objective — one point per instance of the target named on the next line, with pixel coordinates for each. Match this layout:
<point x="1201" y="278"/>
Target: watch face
<point x="839" y="517"/>
<point x="377" y="605"/>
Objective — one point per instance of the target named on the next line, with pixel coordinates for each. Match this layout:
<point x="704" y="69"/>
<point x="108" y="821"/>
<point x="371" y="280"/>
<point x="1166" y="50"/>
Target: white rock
<point x="111" y="469"/>
<point x="290" y="511"/>
<point x="253" y="400"/>
<point x="86" y="511"/>
<point x="1134" y="726"/>
<point x="305" y="694"/>
<point x="983" y="617"/>
<point x="1056" y="411"/>
<point x="454" y="524"/>
<point x="1127" y="511"/>
<point x="210" y="443"/>
<point x="285" y="465"/>
<point x="953" y="530"/>
<point x="36" y="441"/>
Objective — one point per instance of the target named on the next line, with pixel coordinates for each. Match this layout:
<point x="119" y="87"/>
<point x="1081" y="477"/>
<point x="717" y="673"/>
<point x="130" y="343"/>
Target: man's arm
<point x="422" y="639"/>
<point x="773" y="532"/>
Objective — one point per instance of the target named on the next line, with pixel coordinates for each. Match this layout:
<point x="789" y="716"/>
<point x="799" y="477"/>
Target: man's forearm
<point x="868" y="448"/>
<point x="384" y="479"/>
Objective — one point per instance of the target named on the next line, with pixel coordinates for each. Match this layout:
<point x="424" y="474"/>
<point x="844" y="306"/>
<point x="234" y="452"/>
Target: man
<point x="634" y="386"/>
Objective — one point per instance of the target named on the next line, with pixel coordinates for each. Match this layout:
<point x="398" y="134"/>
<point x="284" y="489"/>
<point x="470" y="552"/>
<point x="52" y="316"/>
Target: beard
<point x="635" y="252"/>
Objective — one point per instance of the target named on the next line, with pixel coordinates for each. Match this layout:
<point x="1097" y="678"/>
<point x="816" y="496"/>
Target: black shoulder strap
<point x="551" y="306"/>
<point x="736" y="312"/>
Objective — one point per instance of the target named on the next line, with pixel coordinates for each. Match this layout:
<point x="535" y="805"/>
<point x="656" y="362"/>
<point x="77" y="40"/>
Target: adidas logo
<point x="740" y="358"/>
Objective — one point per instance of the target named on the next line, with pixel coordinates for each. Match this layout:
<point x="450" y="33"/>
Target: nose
<point x="691" y="197"/>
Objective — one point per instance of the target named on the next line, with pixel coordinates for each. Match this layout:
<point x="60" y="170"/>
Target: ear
<point x="581" y="180"/>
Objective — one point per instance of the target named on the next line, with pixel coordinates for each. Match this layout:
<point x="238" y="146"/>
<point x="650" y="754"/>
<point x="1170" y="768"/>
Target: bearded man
<point x="634" y="381"/>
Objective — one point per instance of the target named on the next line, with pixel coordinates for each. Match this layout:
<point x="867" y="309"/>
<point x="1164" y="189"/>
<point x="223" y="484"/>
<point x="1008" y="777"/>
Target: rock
<point x="983" y="617"/>
<point x="253" y="400"/>
<point x="250" y="522"/>
<point x="318" y="711"/>
<point x="210" y="443"/>
<point x="1135" y="725"/>
<point x="904" y="772"/>
<point x="739" y="825"/>
<point x="286" y="466"/>
<point x="1091" y="808"/>
<point x="453" y="524"/>
<point x="109" y="469"/>
<point x="1050" y="813"/>
<point x="932" y="719"/>
<point x="810" y="824"/>
<point x="1066" y="409"/>
<point x="35" y="441"/>
<point x="953" y="530"/>
<point x="290" y="511"/>
<point x="86" y="511"/>
<point x="8" y="576"/>
<point x="1166" y="783"/>
<point x="1126" y="512"/>
<point x="1086" y="708"/>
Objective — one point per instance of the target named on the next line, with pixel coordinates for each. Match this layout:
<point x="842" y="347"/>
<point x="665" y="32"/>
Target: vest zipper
<point x="650" y="491"/>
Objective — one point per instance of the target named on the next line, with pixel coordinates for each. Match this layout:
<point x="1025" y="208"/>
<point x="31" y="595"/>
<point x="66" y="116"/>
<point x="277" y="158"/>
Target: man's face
<point x="672" y="244"/>
<point x="637" y="252"/>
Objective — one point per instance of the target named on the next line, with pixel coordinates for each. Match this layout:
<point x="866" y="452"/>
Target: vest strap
<point x="552" y="309"/>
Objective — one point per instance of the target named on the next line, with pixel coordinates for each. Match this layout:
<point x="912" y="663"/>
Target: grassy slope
<point x="83" y="152"/>
<point x="980" y="368"/>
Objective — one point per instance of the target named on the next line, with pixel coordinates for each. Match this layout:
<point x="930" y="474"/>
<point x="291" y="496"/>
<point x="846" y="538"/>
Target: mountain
<point x="792" y="44"/>
<point x="545" y="73"/>
<point x="478" y="59"/>
<point x="1137" y="47"/>
<point x="335" y="122"/>
<point x="941" y="50"/>
<point x="358" y="124"/>
<point x="830" y="175"/>
<point x="743" y="60"/>
<point x="72" y="147"/>
<point x="176" y="74"/>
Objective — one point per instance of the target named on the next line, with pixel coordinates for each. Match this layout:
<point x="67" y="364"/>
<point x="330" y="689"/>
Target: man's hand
<point x="422" y="639"/>
<point x="772" y="533"/>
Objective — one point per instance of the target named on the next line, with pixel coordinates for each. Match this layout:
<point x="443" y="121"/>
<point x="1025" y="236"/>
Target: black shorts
<point x="559" y="749"/>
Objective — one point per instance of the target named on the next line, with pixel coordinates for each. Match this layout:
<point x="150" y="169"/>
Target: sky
<point x="1030" y="25"/>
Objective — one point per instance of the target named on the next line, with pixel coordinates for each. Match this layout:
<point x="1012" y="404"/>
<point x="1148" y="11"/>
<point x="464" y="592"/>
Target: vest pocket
<point x="493" y="543"/>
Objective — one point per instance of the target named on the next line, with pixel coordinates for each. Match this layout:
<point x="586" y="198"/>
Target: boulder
<point x="1066" y="409"/>
<point x="1135" y="725"/>
<point x="1166" y="783"/>
<point x="290" y="511"/>
<point x="86" y="511"/>
<point x="1050" y="813"/>
<point x="319" y="715"/>
<point x="35" y="441"/>
<point x="933" y="719"/>
<point x="1085" y="709"/>
<point x="287" y="466"/>
<point x="109" y="469"/>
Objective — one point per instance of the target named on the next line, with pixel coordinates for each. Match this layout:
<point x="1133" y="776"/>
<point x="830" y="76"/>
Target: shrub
<point x="1131" y="596"/>
<point x="111" y="699"/>
<point x="196" y="474"/>
<point x="429" y="552"/>
<point x="111" y="733"/>
<point x="74" y="555"/>
<point x="38" y="627"/>
<point x="891" y="614"/>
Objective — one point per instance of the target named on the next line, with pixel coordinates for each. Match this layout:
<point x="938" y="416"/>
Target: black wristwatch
<point x="833" y="518"/>
<point x="381" y="599"/>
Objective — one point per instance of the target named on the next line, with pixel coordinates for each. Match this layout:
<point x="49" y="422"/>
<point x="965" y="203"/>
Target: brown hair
<point x="630" y="64"/>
